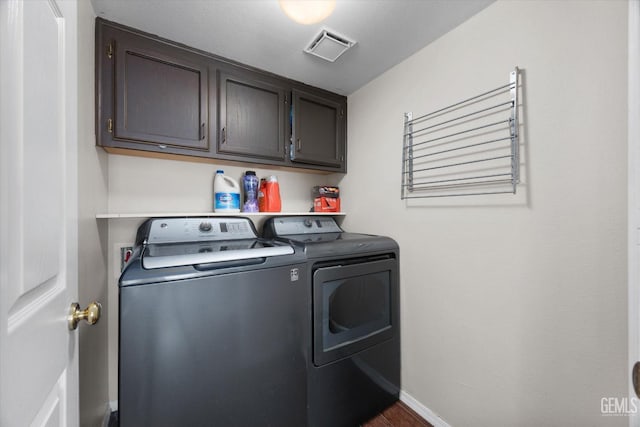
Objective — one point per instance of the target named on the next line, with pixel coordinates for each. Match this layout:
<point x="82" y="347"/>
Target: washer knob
<point x="205" y="227"/>
<point x="307" y="223"/>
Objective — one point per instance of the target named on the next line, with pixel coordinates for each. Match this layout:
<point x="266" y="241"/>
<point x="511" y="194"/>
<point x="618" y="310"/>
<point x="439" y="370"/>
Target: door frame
<point x="633" y="207"/>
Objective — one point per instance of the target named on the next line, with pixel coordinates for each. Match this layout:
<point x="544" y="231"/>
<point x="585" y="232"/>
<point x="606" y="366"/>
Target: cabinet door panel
<point x="161" y="97"/>
<point x="252" y="116"/>
<point x="318" y="130"/>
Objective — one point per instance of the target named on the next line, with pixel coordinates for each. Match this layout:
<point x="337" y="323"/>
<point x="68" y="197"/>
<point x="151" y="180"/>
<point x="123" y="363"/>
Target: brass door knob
<point x="91" y="314"/>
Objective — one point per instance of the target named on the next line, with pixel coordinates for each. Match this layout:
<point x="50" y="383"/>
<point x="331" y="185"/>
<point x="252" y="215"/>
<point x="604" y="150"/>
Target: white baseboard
<point x="422" y="410"/>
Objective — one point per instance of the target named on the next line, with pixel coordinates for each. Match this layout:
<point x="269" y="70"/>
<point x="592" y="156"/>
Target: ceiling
<point x="258" y="33"/>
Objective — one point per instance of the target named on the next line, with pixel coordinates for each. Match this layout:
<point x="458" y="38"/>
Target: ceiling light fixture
<point x="307" y="11"/>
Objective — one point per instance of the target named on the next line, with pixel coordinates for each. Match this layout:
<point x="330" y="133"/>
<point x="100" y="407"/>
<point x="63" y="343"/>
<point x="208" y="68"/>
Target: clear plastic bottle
<point x="250" y="185"/>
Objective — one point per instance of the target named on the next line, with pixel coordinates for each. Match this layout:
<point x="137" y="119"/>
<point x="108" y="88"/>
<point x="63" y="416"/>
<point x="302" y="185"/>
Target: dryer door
<point x="353" y="307"/>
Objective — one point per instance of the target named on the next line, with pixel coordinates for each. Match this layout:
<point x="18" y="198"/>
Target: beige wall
<point x="513" y="308"/>
<point x="158" y="185"/>
<point x="92" y="234"/>
<point x="147" y="185"/>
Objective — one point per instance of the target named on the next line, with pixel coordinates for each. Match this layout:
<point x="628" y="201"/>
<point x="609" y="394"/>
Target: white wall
<point x="146" y="185"/>
<point x="513" y="309"/>
<point x="92" y="234"/>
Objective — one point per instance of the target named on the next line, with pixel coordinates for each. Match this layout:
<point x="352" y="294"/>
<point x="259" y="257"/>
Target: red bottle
<point x="274" y="204"/>
<point x="262" y="195"/>
<point x="269" y="195"/>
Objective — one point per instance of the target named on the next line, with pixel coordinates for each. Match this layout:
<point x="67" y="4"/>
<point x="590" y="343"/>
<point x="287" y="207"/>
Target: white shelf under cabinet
<point x="256" y="215"/>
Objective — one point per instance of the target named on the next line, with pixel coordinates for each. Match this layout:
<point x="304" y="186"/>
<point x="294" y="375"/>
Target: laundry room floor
<point x="398" y="415"/>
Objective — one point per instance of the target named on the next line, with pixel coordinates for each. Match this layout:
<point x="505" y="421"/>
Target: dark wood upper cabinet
<point x="153" y="96"/>
<point x="318" y="131"/>
<point x="252" y="116"/>
<point x="157" y="96"/>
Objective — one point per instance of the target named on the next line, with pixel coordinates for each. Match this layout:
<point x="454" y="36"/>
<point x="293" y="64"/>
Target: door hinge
<point x="110" y="50"/>
<point x="110" y="125"/>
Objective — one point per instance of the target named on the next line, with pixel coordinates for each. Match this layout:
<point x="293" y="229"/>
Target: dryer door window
<point x="352" y="307"/>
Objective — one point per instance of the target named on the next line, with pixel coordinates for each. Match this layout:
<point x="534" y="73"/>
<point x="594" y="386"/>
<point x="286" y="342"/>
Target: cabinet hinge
<point x="341" y="113"/>
<point x="110" y="125"/>
<point x="110" y="50"/>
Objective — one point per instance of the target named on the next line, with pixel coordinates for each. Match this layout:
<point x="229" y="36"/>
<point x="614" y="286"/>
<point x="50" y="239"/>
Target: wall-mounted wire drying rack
<point x="465" y="149"/>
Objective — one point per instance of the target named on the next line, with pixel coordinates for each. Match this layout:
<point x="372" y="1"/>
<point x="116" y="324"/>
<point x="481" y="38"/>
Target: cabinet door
<point x="252" y="116"/>
<point x="159" y="95"/>
<point x="318" y="131"/>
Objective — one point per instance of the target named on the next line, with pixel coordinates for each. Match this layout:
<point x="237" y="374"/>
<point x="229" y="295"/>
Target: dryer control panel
<point x="293" y="225"/>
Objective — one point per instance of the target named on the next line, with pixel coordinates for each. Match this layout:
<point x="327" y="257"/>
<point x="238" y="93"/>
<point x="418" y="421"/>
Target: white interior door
<point x="38" y="210"/>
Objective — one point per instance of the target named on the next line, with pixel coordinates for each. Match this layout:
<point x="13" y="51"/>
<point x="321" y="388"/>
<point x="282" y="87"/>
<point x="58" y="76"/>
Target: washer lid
<point x="194" y="253"/>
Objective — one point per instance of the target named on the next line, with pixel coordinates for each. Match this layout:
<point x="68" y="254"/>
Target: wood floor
<point x="398" y="415"/>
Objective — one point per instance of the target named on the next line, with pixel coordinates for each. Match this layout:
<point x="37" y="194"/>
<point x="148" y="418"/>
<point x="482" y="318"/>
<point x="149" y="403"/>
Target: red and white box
<point x="326" y="204"/>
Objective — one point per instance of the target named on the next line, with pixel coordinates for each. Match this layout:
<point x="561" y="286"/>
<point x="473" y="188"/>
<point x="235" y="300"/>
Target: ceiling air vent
<point x="328" y="45"/>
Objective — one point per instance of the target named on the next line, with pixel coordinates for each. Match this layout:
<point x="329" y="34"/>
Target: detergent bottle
<point x="273" y="202"/>
<point x="269" y="195"/>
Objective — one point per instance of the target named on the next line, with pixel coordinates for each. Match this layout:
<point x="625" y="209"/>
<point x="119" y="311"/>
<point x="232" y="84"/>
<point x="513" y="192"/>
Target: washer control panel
<point x="284" y="226"/>
<point x="175" y="230"/>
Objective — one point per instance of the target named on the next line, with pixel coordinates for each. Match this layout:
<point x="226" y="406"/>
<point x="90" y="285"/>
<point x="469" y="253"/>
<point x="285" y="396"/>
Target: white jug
<point x="226" y="193"/>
